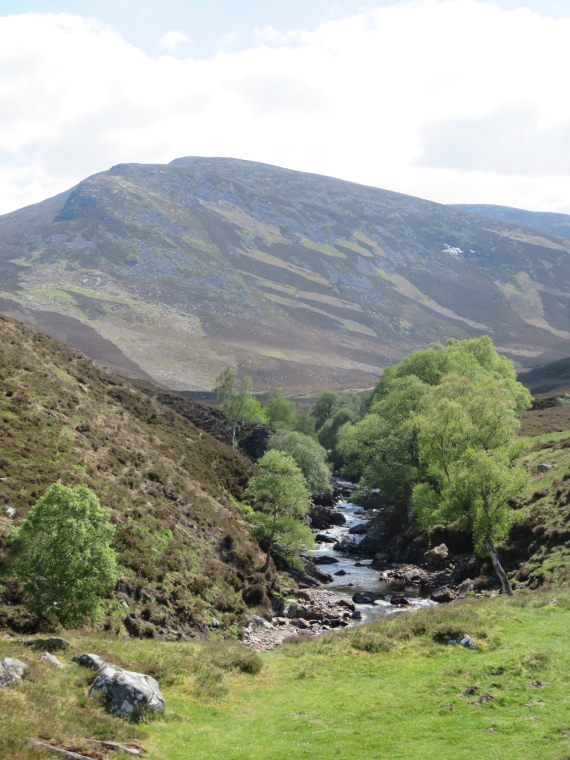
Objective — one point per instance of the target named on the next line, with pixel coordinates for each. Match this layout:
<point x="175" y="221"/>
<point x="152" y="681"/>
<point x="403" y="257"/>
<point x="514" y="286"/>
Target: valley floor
<point x="391" y="689"/>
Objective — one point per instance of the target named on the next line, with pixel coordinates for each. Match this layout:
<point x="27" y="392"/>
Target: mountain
<point x="543" y="221"/>
<point x="182" y="541"/>
<point x="174" y="271"/>
<point x="547" y="378"/>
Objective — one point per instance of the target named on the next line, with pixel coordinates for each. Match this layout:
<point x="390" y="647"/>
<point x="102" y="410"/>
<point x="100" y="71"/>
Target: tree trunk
<point x="234" y="428"/>
<point x="409" y="506"/>
<point x="507" y="588"/>
<point x="265" y="567"/>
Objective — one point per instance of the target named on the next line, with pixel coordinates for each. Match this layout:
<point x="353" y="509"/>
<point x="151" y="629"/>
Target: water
<point x="364" y="577"/>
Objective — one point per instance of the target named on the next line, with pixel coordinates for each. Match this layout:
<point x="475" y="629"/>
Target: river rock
<point x="443" y="595"/>
<point x="346" y="545"/>
<point x="348" y="603"/>
<point x="47" y="657"/>
<point x="399" y="600"/>
<point x="322" y="538"/>
<point x="437" y="556"/>
<point x="357" y="615"/>
<point x="343" y="487"/>
<point x="323" y="518"/>
<point x="380" y="561"/>
<point x="126" y="691"/>
<point x="326" y="560"/>
<point x="341" y="572"/>
<point x="366" y="597"/>
<point x="358" y="530"/>
<point x="11" y="670"/>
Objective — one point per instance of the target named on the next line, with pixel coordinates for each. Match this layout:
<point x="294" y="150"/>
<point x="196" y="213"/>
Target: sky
<point x="456" y="101"/>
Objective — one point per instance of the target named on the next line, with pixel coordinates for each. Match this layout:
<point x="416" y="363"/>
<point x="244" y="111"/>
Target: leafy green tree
<point x="280" y="411"/>
<point x="62" y="555"/>
<point x="280" y="499"/>
<point x="237" y="403"/>
<point x="383" y="447"/>
<point x="476" y="359"/>
<point x="324" y="405"/>
<point x="468" y="446"/>
<point x="309" y="456"/>
<point x="305" y="422"/>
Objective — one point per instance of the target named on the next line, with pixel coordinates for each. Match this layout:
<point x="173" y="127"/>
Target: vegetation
<point x="280" y="411"/>
<point x="236" y="401"/>
<point x="390" y="689"/>
<point x="280" y="498"/>
<point x="441" y="435"/>
<point x="183" y="544"/>
<point x="310" y="457"/>
<point x="61" y="554"/>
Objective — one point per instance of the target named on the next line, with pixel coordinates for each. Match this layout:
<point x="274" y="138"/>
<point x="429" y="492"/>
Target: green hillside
<point x="182" y="542"/>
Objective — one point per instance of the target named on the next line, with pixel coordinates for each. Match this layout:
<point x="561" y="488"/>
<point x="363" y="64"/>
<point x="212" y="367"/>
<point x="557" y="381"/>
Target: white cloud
<point x="453" y="100"/>
<point x="172" y="39"/>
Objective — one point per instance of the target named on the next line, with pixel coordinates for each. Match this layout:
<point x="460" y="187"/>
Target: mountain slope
<point x="183" y="544"/>
<point x="295" y="278"/>
<point x="543" y="221"/>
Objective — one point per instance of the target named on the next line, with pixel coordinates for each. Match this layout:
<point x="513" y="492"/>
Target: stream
<point x="359" y="575"/>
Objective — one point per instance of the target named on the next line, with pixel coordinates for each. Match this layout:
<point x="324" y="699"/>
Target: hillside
<point x="542" y="221"/>
<point x="174" y="271"/>
<point x="549" y="377"/>
<point x="183" y="544"/>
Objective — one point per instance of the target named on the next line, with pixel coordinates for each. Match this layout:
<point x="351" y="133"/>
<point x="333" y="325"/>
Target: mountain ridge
<point x="296" y="279"/>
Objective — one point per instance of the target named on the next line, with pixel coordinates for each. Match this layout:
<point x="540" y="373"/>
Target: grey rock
<point x="399" y="600"/>
<point x="324" y="539"/>
<point x="47" y="657"/>
<point x="379" y="561"/>
<point x="216" y="623"/>
<point x="366" y="597"/>
<point x="127" y="692"/>
<point x="11" y="670"/>
<point x="463" y="639"/>
<point x="10" y="512"/>
<point x="356" y="615"/>
<point x="443" y="595"/>
<point x="89" y="661"/>
<point x="358" y="530"/>
<point x="326" y="560"/>
<point x="341" y="572"/>
<point x="542" y="467"/>
<point x="437" y="555"/>
<point x="53" y="644"/>
<point x="348" y="603"/>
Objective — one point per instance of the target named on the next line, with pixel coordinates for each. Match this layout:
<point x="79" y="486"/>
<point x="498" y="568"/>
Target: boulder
<point x="348" y="603"/>
<point x="313" y="571"/>
<point x="11" y="670"/>
<point x="357" y="615"/>
<point x="379" y="561"/>
<point x="53" y="644"/>
<point x="346" y="545"/>
<point x="127" y="692"/>
<point x="542" y="467"/>
<point x="463" y="639"/>
<point x="341" y="572"/>
<point x="412" y="576"/>
<point x="47" y="657"/>
<point x="437" y="556"/>
<point x="325" y="560"/>
<point x="89" y="661"/>
<point x="399" y="600"/>
<point x="322" y="538"/>
<point x="358" y="530"/>
<point x="443" y="595"/>
<point x="366" y="597"/>
<point x="10" y="512"/>
<point x="343" y="487"/>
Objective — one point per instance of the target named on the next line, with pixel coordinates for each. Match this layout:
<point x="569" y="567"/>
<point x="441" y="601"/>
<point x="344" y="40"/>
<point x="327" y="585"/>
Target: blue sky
<point x="458" y="101"/>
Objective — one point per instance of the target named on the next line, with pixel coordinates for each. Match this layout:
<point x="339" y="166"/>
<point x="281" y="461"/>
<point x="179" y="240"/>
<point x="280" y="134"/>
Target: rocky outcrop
<point x="437" y="556"/>
<point x="11" y="670"/>
<point x="125" y="691"/>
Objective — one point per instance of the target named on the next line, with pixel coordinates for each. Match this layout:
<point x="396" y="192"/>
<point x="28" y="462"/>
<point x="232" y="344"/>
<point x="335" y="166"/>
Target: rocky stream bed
<point x="343" y="587"/>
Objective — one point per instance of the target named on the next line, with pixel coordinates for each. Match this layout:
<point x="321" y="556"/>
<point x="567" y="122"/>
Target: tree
<point x="237" y="403"/>
<point x="468" y="446"/>
<point x="383" y="448"/>
<point x="62" y="555"/>
<point x="280" y="412"/>
<point x="280" y="499"/>
<point x="310" y="457"/>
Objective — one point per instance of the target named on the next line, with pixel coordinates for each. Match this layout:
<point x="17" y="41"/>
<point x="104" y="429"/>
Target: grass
<point x="390" y="689"/>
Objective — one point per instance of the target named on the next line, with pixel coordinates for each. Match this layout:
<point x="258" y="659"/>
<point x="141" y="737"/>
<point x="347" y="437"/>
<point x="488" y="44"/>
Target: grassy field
<point x="391" y="689"/>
